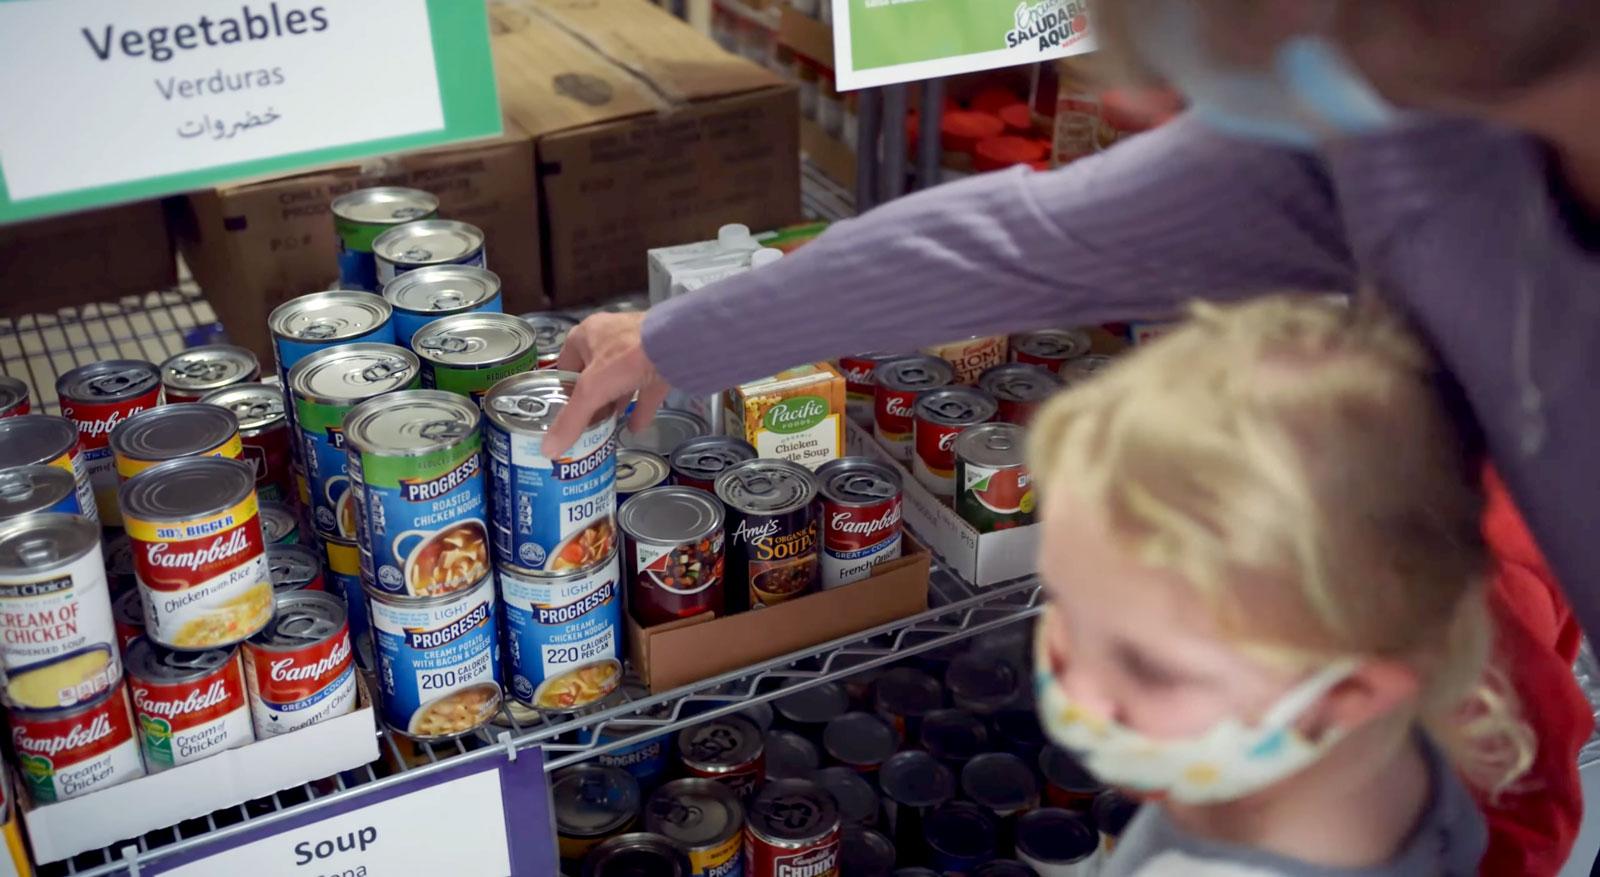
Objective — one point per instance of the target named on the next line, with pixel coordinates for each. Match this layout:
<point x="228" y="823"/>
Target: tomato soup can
<point x="861" y="527"/>
<point x="773" y="539"/>
<point x="280" y="523"/>
<point x="971" y="357"/>
<point x="638" y="471"/>
<point x="728" y="749"/>
<point x="46" y="440"/>
<point x="295" y="568"/>
<point x="897" y="384"/>
<point x="190" y="375"/>
<point x="1020" y="389"/>
<point x="705" y="819"/>
<point x="438" y="660"/>
<point x="591" y="804"/>
<point x="469" y="353"/>
<point x="173" y="432"/>
<point x="343" y="570"/>
<point x="993" y="488"/>
<point x="15" y="400"/>
<point x="57" y="640"/>
<point x="65" y="753"/>
<point x="416" y="470"/>
<point x="360" y="216"/>
<point x="550" y="330"/>
<point x="941" y="416"/>
<point x="98" y="397"/>
<point x="268" y="442"/>
<point x="26" y="490"/>
<point x="563" y="635"/>
<point x="187" y="705"/>
<point x="674" y="554"/>
<point x="325" y="387"/>
<point x="198" y="552"/>
<point x="426" y="295"/>
<point x="859" y="384"/>
<point x="425" y="243"/>
<point x="792" y="828"/>
<point x="127" y="614"/>
<point x="1049" y="349"/>
<point x="699" y="462"/>
<point x="300" y="669"/>
<point x="550" y="515"/>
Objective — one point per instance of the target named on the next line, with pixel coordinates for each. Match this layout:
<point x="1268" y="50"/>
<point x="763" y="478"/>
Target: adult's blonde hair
<point x="1293" y="460"/>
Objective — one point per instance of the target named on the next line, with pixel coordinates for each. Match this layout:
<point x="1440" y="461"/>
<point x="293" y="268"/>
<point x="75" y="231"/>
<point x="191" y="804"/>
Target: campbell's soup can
<point x="295" y="568"/>
<point x="898" y="383"/>
<point x="265" y="435"/>
<point x="993" y="488"/>
<point x="858" y="384"/>
<point x="792" y="828"/>
<point x="1083" y="368"/>
<point x="14" y="397"/>
<point x="173" y="432"/>
<point x="861" y="528"/>
<point x="700" y="461"/>
<point x="550" y="330"/>
<point x="1020" y="389"/>
<point x="188" y="704"/>
<point x="98" y="397"/>
<point x="280" y="523"/>
<point x="941" y="416"/>
<point x="1049" y="348"/>
<point x="773" y="550"/>
<point x="44" y="440"/>
<point x="190" y="375"/>
<point x="971" y="357"/>
<point x="62" y="754"/>
<point x="198" y="552"/>
<point x="127" y="614"/>
<point x="300" y="669"/>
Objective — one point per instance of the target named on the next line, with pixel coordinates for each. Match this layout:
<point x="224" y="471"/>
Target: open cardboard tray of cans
<point x="271" y="764"/>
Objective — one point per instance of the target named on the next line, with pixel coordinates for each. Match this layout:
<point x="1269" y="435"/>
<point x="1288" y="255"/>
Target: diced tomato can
<point x="295" y="568"/>
<point x="14" y="397"/>
<point x="861" y="527"/>
<point x="993" y="488"/>
<point x="971" y="357"/>
<point x="859" y="384"/>
<point x="188" y="704"/>
<point x="300" y="669"/>
<point x="264" y="431"/>
<point x="191" y="374"/>
<point x="792" y="829"/>
<point x="941" y="416"/>
<point x="1020" y="389"/>
<point x="62" y="754"/>
<point x="1049" y="348"/>
<point x="727" y="749"/>
<point x="97" y="397"/>
<point x="898" y="384"/>
<point x="172" y="432"/>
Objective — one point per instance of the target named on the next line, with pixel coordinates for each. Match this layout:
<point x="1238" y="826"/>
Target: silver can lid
<point x="34" y="543"/>
<point x="767" y="487"/>
<point x="12" y="391"/>
<point x="192" y="487"/>
<point x="670" y="515"/>
<point x="410" y="423"/>
<point x="473" y="339"/>
<point x="703" y="458"/>
<point x="33" y="488"/>
<point x="277" y="522"/>
<point x="919" y="372"/>
<point x="529" y="402"/>
<point x="695" y="812"/>
<point x="593" y="800"/>
<point x="549" y="330"/>
<point x="200" y="369"/>
<point x="428" y="242"/>
<point x="147" y="661"/>
<point x="638" y="470"/>
<point x="257" y="406"/>
<point x="352" y="373"/>
<point x="854" y="481"/>
<point x="442" y="289"/>
<point x="300" y="619"/>
<point x="995" y="445"/>
<point x="1053" y="343"/>
<point x="174" y="431"/>
<point x="110" y="381"/>
<point x="1084" y="367"/>
<point x="721" y="744"/>
<point x="292" y="565"/>
<point x="956" y="406"/>
<point x="35" y="438"/>
<point x="670" y="429"/>
<point x="336" y="315"/>
<point x="384" y="205"/>
<point x="1019" y="382"/>
<point x="792" y="812"/>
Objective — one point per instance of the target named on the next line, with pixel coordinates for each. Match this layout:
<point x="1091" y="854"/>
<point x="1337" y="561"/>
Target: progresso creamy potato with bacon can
<point x="438" y="660"/>
<point x="564" y="634"/>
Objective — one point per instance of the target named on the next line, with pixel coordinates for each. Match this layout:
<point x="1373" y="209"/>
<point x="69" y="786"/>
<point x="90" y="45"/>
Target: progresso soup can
<point x="344" y="580"/>
<point x="550" y="331"/>
<point x="268" y="442"/>
<point x="1019" y="389"/>
<point x="416" y="470"/>
<point x="438" y="660"/>
<point x="187" y="705"/>
<point x="360" y="216"/>
<point x="173" y="432"/>
<point x="300" y="668"/>
<point x="425" y="243"/>
<point x="14" y="397"/>
<point x="705" y="818"/>
<point x="564" y="635"/>
<point x="896" y="385"/>
<point x="45" y="440"/>
<point x="427" y="294"/>
<point x="699" y="461"/>
<point x="940" y="417"/>
<point x="591" y="803"/>
<point x="98" y="397"/>
<point x="550" y="515"/>
<point x="469" y="353"/>
<point x="861" y="527"/>
<point x="58" y="645"/>
<point x="993" y="488"/>
<point x="26" y="490"/>
<point x="773" y="538"/>
<point x="187" y="376"/>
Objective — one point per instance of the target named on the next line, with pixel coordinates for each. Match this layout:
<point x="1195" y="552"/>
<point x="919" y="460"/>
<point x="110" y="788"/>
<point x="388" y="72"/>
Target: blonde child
<point x="1267" y="583"/>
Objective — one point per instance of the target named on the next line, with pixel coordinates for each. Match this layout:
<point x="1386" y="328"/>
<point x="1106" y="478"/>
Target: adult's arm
<point x="1171" y="215"/>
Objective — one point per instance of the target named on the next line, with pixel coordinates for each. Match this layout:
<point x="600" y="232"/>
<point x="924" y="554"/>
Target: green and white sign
<point x="104" y="101"/>
<point x="879" y="42"/>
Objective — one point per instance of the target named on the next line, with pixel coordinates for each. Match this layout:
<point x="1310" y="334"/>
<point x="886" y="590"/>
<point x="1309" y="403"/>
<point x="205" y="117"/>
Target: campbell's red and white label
<point x="857" y="371"/>
<point x="95" y="422"/>
<point x="934" y="462"/>
<point x="185" y="721"/>
<point x="857" y="538"/>
<point x="64" y="756"/>
<point x="892" y="420"/>
<point x="204" y="582"/>
<point x="765" y="860"/>
<point x="292" y="689"/>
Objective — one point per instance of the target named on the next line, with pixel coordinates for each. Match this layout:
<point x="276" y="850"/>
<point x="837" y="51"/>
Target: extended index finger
<point x="598" y="386"/>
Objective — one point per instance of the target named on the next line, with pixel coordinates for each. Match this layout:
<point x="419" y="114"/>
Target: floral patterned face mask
<point x="1230" y="761"/>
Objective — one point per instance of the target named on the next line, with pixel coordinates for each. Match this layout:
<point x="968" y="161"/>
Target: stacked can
<point x="993" y="488"/>
<point x="550" y="331"/>
<point x="1049" y="349"/>
<point x="264" y="433"/>
<point x="15" y="399"/>
<point x="941" y="416"/>
<point x="861" y="518"/>
<point x="427" y="294"/>
<point x="773" y="533"/>
<point x="25" y="490"/>
<point x="897" y="383"/>
<point x="172" y="432"/>
<point x="43" y="440"/>
<point x="469" y="353"/>
<point x="360" y="216"/>
<point x="300" y="668"/>
<point x="191" y="374"/>
<point x="555" y="545"/>
<point x="859" y="384"/>
<point x="426" y="243"/>
<point x="97" y="397"/>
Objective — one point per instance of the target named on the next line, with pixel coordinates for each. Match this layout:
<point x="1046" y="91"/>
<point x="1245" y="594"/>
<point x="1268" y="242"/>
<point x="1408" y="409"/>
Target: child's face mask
<point x="1232" y="760"/>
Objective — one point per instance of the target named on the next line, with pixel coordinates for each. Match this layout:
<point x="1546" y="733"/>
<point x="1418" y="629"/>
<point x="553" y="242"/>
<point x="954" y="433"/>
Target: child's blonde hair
<point x="1293" y="459"/>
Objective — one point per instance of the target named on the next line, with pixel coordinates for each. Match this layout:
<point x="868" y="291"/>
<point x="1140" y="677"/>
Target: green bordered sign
<point x="106" y="101"/>
<point x="879" y="42"/>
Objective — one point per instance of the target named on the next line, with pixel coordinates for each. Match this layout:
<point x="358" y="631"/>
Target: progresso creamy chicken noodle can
<point x="438" y="660"/>
<point x="564" y="634"/>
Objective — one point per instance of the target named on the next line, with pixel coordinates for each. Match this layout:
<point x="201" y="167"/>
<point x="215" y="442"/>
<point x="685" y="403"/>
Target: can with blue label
<point x="563" y="634"/>
<point x="549" y="515"/>
<point x="416" y="468"/>
<point x="362" y="215"/>
<point x="342" y="569"/>
<point x="419" y="297"/>
<point x="649" y="759"/>
<point x="438" y="660"/>
<point x="325" y="387"/>
<point x="425" y="243"/>
<point x="302" y="326"/>
<point x="25" y="490"/>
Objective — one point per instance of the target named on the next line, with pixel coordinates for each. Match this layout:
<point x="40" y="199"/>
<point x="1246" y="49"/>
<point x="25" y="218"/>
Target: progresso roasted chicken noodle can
<point x="425" y="243"/>
<point x="26" y="490"/>
<point x="896" y="385"/>
<point x="300" y="668"/>
<point x="15" y="399"/>
<point x="265" y="434"/>
<point x="45" y="440"/>
<point x="427" y="294"/>
<point x="187" y="376"/>
<point x="173" y="432"/>
<point x="57" y="640"/>
<point x="469" y="353"/>
<point x="861" y="503"/>
<point x="416" y="469"/>
<point x="187" y="705"/>
<point x="564" y="634"/>
<point x="773" y="538"/>
<point x="550" y="331"/>
<point x="97" y="398"/>
<point x="360" y="216"/>
<point x="550" y="515"/>
<point x="438" y="660"/>
<point x="993" y="488"/>
<point x="699" y="461"/>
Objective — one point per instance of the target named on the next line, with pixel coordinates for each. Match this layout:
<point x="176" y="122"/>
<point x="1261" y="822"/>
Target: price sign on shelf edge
<point x="108" y="101"/>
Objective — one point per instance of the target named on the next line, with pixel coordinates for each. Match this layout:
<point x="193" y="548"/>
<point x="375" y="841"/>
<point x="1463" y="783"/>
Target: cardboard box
<point x="647" y="133"/>
<point x="832" y="156"/>
<point x="254" y="770"/>
<point x="680" y="652"/>
<point x="806" y="36"/>
<point x="255" y="244"/>
<point x="80" y="258"/>
<point x="982" y="559"/>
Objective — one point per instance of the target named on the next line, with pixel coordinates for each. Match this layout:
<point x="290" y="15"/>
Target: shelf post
<point x="928" y="145"/>
<point x="892" y="181"/>
<point x="869" y="119"/>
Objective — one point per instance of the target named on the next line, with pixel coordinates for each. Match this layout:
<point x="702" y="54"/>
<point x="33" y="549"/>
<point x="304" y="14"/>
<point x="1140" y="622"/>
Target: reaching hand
<point x="607" y="350"/>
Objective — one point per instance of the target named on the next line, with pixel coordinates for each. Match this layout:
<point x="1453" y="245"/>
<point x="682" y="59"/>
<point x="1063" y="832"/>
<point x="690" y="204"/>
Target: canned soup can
<point x="994" y="489"/>
<point x="66" y="753"/>
<point x="198" y="552"/>
<point x="469" y="353"/>
<point x="173" y="432"/>
<point x="1019" y="389"/>
<point x="326" y="386"/>
<point x="360" y="216"/>
<point x="14" y="397"/>
<point x="26" y="490"/>
<point x="44" y="440"/>
<point x="427" y="294"/>
<point x="425" y="243"/>
<point x="1049" y="349"/>
<point x="897" y="384"/>
<point x="638" y="471"/>
<point x="267" y="440"/>
<point x="190" y="375"/>
<point x="280" y="523"/>
<point x="773" y="551"/>
<point x="127" y="613"/>
<point x="698" y="462"/>
<point x="416" y="470"/>
<point x="728" y="749"/>
<point x="550" y="515"/>
<point x="550" y="330"/>
<point x="58" y="644"/>
<point x="187" y="705"/>
<point x="591" y="803"/>
<point x="344" y="580"/>
<point x="858" y="384"/>
<point x="564" y="633"/>
<point x="304" y="325"/>
<point x="300" y="668"/>
<point x="792" y="828"/>
<point x="703" y="817"/>
<point x="674" y="556"/>
<point x="941" y="416"/>
<point x="669" y="430"/>
<point x="98" y="397"/>
<point x="295" y="568"/>
<point x="438" y="660"/>
<point x="861" y="525"/>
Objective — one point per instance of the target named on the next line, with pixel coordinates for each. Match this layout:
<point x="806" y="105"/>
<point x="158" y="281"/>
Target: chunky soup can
<point x="469" y="353"/>
<point x="425" y="295"/>
<point x="773" y="538"/>
<point x="792" y="828"/>
<point x="66" y="753"/>
<point x="97" y="397"/>
<point x="727" y="749"/>
<point x="191" y="374"/>
<point x="438" y="660"/>
<point x="301" y="668"/>
<point x="58" y="644"/>
<point x="861" y="526"/>
<point x="187" y="705"/>
<point x="268" y="442"/>
<point x="896" y="385"/>
<point x="172" y="432"/>
<point x="26" y="490"/>
<point x="45" y="440"/>
<point x="564" y="635"/>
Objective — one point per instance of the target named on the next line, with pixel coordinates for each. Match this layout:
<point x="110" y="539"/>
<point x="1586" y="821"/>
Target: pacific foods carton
<point x="795" y="415"/>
